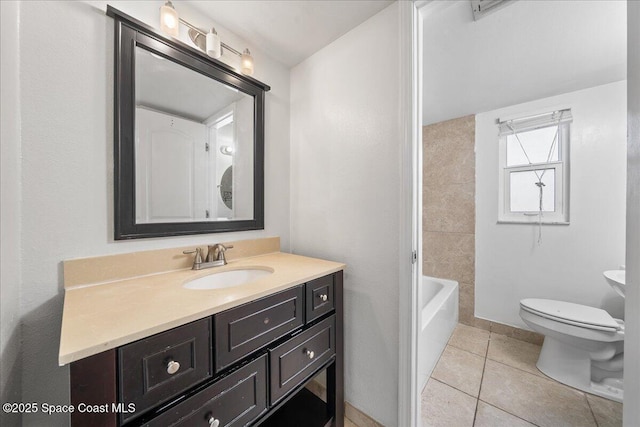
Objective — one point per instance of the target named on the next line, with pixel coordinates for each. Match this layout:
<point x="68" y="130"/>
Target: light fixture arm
<point x="198" y="33"/>
<point x="209" y="43"/>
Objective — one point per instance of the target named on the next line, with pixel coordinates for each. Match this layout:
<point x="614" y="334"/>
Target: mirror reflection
<point x="194" y="145"/>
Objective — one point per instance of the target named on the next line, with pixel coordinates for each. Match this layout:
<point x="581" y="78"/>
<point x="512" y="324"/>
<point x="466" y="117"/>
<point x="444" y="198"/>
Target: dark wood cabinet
<point x="244" y="366"/>
<point x="293" y="361"/>
<point x="155" y="369"/>
<point x="242" y="330"/>
<point x="319" y="297"/>
<point x="236" y="400"/>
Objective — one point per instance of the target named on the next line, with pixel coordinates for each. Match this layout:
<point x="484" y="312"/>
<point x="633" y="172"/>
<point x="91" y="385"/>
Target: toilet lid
<point x="575" y="314"/>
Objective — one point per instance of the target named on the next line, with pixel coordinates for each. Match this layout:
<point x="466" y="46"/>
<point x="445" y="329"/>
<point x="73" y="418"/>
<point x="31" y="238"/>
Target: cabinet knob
<point x="323" y="297"/>
<point x="172" y="367"/>
<point x="213" y="422"/>
<point x="310" y="354"/>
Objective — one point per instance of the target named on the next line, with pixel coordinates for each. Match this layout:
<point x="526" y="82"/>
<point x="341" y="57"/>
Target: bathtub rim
<point x="429" y="310"/>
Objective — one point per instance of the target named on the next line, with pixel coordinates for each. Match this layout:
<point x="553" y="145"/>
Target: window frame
<point x="560" y="216"/>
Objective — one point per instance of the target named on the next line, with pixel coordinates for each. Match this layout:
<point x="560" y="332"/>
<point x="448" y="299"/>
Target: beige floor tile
<point x="470" y="339"/>
<point x="607" y="412"/>
<point x="535" y="399"/>
<point x="490" y="416"/>
<point x="444" y="406"/>
<point x="460" y="369"/>
<point x="513" y="352"/>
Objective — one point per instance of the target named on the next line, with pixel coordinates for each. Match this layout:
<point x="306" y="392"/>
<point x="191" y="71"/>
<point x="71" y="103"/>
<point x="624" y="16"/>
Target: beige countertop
<point x="104" y="316"/>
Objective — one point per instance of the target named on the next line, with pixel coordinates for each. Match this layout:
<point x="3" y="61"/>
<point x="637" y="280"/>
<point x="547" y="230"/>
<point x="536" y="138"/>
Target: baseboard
<point x="318" y="389"/>
<point x="358" y="417"/>
<point x="502" y="329"/>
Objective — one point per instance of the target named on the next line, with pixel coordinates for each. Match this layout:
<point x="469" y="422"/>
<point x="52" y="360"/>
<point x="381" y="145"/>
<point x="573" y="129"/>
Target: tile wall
<point x="448" y="215"/>
<point x="448" y="209"/>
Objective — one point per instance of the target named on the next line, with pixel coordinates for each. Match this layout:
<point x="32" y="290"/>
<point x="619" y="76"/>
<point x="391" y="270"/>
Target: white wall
<point x="66" y="97"/>
<point x="10" y="348"/>
<point x="559" y="46"/>
<point x="568" y="265"/>
<point x="346" y="141"/>
<point x="631" y="416"/>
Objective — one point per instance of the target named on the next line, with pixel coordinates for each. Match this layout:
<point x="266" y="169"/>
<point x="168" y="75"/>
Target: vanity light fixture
<point x="169" y="20"/>
<point x="247" y="63"/>
<point x="213" y="46"/>
<point x="209" y="43"/>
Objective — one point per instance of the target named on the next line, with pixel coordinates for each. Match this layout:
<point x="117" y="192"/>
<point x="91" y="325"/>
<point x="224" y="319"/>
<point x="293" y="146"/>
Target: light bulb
<point x="246" y="63"/>
<point x="213" y="44"/>
<point x="169" y="21"/>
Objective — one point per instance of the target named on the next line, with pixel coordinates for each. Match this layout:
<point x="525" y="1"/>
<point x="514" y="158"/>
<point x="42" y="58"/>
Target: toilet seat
<point x="572" y="314"/>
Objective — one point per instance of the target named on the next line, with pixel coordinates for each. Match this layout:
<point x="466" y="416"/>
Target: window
<point x="534" y="169"/>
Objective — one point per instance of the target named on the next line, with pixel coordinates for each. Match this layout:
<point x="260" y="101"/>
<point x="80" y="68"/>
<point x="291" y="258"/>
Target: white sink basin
<point x="227" y="279"/>
<point x="616" y="278"/>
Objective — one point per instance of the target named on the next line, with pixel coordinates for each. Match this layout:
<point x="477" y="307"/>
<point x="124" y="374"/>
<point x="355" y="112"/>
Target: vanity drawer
<point x="292" y="362"/>
<point x="319" y="296"/>
<point x="235" y="400"/>
<point x="157" y="368"/>
<point x="249" y="327"/>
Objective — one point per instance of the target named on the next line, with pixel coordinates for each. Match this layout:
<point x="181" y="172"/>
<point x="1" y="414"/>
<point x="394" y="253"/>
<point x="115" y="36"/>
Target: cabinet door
<point x="320" y="300"/>
<point x="235" y="400"/>
<point x="295" y="360"/>
<point x="155" y="369"/>
<point x="242" y="330"/>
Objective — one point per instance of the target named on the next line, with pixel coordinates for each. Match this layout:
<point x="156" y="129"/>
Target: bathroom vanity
<point x="236" y="356"/>
<point x="151" y="341"/>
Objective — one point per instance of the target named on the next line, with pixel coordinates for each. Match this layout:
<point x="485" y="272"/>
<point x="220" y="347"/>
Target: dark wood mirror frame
<point x="129" y="34"/>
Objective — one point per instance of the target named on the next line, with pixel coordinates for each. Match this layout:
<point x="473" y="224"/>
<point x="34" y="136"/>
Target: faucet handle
<point x="219" y="256"/>
<point x="198" y="258"/>
<point x="222" y="249"/>
<point x="211" y="253"/>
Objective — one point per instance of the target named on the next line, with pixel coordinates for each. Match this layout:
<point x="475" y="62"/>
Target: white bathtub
<point x="438" y="318"/>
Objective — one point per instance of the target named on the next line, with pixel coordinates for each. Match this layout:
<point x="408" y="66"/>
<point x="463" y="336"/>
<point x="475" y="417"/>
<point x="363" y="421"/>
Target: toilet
<point x="583" y="346"/>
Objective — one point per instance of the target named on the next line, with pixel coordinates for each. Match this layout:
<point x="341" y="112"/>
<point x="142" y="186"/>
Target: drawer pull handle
<point x="213" y="422"/>
<point x="266" y="321"/>
<point x="310" y="354"/>
<point x="323" y="297"/>
<point x="172" y="367"/>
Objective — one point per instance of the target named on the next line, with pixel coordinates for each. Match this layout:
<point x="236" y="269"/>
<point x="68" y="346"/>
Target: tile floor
<point x="488" y="380"/>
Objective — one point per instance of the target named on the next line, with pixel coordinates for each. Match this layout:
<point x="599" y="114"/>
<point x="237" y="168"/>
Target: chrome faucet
<point x="215" y="256"/>
<point x="216" y="253"/>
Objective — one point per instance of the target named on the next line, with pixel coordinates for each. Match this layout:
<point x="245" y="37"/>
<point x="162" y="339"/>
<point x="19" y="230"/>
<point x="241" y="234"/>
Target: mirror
<point x="190" y="131"/>
<point x="189" y="139"/>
